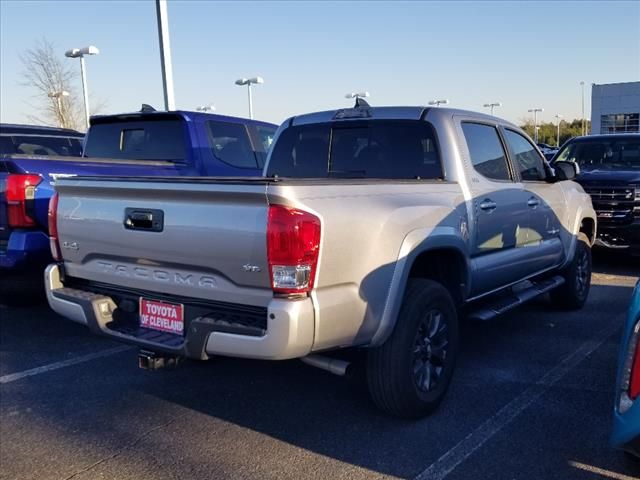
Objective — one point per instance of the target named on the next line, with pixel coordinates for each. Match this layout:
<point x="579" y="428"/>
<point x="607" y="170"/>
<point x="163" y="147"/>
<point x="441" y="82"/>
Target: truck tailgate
<point x="189" y="237"/>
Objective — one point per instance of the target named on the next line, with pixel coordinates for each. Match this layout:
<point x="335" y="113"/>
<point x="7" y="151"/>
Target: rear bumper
<point x="626" y="430"/>
<point x="25" y="251"/>
<point x="289" y="332"/>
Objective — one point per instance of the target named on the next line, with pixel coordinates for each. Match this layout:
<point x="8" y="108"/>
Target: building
<point x="615" y="108"/>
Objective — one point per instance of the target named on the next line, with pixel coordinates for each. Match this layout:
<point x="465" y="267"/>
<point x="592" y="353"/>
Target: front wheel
<point x="409" y="374"/>
<point x="572" y="295"/>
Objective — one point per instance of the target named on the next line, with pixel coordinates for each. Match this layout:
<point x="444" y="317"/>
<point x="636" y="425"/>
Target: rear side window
<point x="230" y="143"/>
<point x="527" y="159"/>
<point x="370" y="149"/>
<point x="138" y="140"/>
<point x="487" y="154"/>
<point x="6" y="145"/>
<point x="263" y="141"/>
<point x="42" y="145"/>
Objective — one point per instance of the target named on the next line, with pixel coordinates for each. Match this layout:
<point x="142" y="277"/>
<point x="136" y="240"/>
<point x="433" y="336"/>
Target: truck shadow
<point x="327" y="415"/>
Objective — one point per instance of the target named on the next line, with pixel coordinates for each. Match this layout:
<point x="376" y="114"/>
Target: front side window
<point x="527" y="160"/>
<point x="486" y="151"/>
<point x="358" y="149"/>
<point x="230" y="143"/>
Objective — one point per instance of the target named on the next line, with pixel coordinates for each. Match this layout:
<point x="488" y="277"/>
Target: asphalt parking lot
<point x="531" y="398"/>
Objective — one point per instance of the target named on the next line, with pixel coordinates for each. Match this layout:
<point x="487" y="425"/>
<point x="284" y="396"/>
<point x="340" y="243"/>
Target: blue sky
<point x="524" y="54"/>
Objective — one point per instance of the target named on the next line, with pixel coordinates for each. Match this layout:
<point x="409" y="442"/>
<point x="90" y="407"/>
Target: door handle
<point x="143" y="219"/>
<point x="533" y="202"/>
<point x="488" y="205"/>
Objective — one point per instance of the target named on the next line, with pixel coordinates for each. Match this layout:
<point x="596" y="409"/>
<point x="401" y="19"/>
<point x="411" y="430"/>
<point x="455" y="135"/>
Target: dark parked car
<point x="610" y="173"/>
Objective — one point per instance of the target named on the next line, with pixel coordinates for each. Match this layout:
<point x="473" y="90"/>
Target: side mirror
<point x="565" y="170"/>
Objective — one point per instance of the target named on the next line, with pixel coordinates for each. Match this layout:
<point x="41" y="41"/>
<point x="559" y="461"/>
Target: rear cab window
<point x="486" y="151"/>
<point x="160" y="139"/>
<point x="387" y="149"/>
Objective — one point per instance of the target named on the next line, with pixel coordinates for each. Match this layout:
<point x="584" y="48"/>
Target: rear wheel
<point x="409" y="374"/>
<point x="573" y="293"/>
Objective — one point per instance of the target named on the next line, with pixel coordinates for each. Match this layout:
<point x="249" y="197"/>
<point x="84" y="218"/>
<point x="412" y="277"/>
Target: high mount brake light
<point x="20" y="189"/>
<point x="293" y="245"/>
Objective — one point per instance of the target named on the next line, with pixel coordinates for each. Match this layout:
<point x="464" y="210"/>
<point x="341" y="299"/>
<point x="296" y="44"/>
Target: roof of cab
<point x="605" y="136"/>
<point x="17" y="129"/>
<point x="391" y="113"/>
<point x="186" y="114"/>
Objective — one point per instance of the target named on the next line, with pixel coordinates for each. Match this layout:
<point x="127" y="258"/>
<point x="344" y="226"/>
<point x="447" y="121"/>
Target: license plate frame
<point x="161" y="316"/>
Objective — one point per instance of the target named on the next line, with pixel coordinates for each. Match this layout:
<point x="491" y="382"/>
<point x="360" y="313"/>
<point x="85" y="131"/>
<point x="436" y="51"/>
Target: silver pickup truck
<point x="376" y="228"/>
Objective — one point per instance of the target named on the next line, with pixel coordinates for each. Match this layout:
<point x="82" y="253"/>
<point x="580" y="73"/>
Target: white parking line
<point x="12" y="377"/>
<point x="602" y="472"/>
<point x="476" y="439"/>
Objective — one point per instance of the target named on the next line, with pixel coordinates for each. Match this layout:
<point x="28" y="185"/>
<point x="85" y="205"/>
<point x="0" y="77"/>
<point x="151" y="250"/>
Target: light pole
<point x="582" y="88"/>
<point x="206" y="108"/>
<point x="248" y="82"/>
<point x="492" y="106"/>
<point x="80" y="53"/>
<point x="162" y="18"/>
<point x="535" y="121"/>
<point x="558" y="117"/>
<point x="58" y="96"/>
<point x="437" y="103"/>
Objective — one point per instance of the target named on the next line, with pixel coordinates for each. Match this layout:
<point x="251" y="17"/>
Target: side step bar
<point x="515" y="299"/>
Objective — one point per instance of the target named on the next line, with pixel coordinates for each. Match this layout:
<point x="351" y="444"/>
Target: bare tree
<point x="46" y="73"/>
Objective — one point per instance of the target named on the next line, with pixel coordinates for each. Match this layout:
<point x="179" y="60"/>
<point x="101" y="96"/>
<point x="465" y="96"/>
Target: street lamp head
<point x="81" y="52"/>
<point x="534" y="110"/>
<point x="357" y="95"/>
<point x="73" y="53"/>
<point x="437" y="103"/>
<point x="90" y="50"/>
<point x="206" y="108"/>
<point x="249" y="81"/>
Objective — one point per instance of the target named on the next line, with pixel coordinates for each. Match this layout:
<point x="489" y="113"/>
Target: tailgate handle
<point x="144" y="219"/>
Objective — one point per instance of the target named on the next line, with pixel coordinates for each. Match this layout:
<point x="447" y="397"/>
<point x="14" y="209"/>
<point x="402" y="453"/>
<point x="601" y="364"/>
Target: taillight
<point x="634" y="380"/>
<point x="20" y="189"/>
<point x="52" y="217"/>
<point x="293" y="244"/>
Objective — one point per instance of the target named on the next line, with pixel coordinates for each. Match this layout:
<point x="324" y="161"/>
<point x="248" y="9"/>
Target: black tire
<point x="399" y="372"/>
<point x="573" y="294"/>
